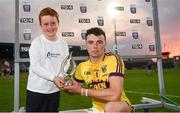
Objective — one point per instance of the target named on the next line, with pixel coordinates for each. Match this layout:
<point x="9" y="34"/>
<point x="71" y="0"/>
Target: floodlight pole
<point x="16" y="58"/>
<point x="158" y="47"/>
<point x="115" y="37"/>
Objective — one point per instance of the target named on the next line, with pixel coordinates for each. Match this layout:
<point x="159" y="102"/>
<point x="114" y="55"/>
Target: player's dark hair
<point x="95" y="31"/>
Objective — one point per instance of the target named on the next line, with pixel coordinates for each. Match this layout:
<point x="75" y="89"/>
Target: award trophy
<point x="68" y="69"/>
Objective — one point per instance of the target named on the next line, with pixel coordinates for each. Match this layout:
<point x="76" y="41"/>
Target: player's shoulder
<point x="84" y="63"/>
<point x="112" y="55"/>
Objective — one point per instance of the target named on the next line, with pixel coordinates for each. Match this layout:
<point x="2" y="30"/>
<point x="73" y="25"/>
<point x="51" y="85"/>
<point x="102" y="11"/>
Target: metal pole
<point x="115" y="37"/>
<point x="16" y="58"/>
<point x="158" y="47"/>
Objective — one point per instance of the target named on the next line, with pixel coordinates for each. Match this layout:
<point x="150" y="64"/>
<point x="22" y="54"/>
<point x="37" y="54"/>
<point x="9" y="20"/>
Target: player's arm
<point x="116" y="82"/>
<point x="113" y="93"/>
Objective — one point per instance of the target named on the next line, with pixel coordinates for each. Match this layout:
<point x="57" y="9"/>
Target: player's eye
<point x="99" y="42"/>
<point x="90" y="42"/>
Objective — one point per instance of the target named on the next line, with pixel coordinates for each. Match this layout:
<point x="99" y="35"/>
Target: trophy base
<point x="68" y="81"/>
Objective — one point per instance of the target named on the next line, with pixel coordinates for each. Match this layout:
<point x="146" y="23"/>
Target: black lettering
<point x="135" y="21"/>
<point x="120" y="33"/>
<point x="67" y="7"/>
<point x="68" y="34"/>
<point x="137" y="46"/>
<point x="84" y="20"/>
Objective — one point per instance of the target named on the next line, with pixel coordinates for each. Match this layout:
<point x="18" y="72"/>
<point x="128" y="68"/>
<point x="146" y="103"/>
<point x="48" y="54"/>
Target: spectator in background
<point x="5" y="67"/>
<point x="149" y="68"/>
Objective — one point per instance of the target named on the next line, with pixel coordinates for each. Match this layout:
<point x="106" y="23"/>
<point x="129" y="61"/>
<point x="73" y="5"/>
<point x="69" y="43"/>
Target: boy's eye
<point x="53" y="23"/>
<point x="45" y="24"/>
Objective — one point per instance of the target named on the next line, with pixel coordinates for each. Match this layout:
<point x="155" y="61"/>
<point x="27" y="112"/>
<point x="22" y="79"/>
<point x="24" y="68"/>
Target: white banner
<point x="131" y="19"/>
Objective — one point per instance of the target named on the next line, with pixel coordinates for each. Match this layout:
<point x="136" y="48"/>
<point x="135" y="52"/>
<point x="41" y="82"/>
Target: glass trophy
<point x="68" y="68"/>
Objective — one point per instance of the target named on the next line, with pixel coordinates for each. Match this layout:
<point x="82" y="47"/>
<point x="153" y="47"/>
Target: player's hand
<point x="75" y="88"/>
<point x="59" y="82"/>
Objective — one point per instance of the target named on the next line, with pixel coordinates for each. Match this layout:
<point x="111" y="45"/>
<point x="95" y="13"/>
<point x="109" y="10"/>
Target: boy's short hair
<point x="95" y="31"/>
<point x="48" y="11"/>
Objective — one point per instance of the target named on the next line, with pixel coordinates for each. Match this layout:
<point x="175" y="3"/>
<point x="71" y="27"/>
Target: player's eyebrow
<point x="97" y="42"/>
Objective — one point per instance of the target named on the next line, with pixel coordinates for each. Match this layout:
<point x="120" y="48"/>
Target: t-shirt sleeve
<point x="35" y="58"/>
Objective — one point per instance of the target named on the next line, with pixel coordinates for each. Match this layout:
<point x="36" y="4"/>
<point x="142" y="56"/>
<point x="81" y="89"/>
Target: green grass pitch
<point x="137" y="85"/>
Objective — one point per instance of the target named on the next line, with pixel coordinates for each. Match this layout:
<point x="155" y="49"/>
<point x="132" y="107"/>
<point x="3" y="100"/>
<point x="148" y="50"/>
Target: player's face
<point x="49" y="26"/>
<point x="95" y="45"/>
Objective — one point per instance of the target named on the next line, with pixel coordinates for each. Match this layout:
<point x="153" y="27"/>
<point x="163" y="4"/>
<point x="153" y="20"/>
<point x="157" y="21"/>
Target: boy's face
<point x="95" y="45"/>
<point x="49" y="26"/>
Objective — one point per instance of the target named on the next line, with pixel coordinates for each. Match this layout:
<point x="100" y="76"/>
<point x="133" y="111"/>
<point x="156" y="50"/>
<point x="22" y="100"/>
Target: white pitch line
<point x="146" y="93"/>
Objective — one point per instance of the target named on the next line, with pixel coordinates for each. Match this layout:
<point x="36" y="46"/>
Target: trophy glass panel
<point x="68" y="69"/>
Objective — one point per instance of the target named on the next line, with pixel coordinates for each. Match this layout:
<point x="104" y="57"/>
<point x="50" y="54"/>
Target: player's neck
<point x="97" y="59"/>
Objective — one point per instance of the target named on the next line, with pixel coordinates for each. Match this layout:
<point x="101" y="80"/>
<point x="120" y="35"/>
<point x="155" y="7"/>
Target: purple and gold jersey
<point x="96" y="75"/>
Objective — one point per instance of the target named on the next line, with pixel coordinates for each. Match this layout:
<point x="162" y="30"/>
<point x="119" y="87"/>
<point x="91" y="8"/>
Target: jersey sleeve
<point x="117" y="66"/>
<point x="78" y="76"/>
